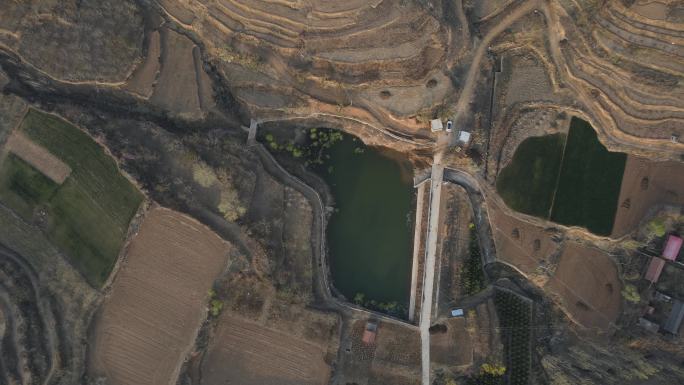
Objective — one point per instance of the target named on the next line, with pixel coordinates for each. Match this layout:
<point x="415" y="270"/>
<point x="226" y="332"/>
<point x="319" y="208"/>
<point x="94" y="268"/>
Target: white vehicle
<point x="450" y="126"/>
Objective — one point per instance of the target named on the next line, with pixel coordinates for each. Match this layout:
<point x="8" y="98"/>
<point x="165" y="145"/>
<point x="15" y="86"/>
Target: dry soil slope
<point x="645" y="185"/>
<point x="519" y="243"/>
<point x="322" y="49"/>
<point x="633" y="68"/>
<point x="147" y="325"/>
<point x="588" y="285"/>
<point x="361" y="32"/>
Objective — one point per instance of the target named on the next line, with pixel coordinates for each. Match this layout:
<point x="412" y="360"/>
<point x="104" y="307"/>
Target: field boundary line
<point x="558" y="177"/>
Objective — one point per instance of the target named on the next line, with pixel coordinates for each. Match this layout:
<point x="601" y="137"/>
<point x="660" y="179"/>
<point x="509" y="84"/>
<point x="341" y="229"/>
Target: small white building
<point x="464" y="137"/>
<point x="436" y="125"/>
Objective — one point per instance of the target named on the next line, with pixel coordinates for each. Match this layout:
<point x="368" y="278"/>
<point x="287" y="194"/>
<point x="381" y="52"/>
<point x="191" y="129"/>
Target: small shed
<point x="658" y="296"/>
<point x="648" y="325"/>
<point x="370" y="333"/>
<point x="457" y="312"/>
<point x="674" y="321"/>
<point x="672" y="247"/>
<point x="464" y="137"/>
<point x="655" y="267"/>
<point x="436" y="125"/>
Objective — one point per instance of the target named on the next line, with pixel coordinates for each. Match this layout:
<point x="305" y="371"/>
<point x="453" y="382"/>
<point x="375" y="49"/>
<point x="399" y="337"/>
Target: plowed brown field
<point x="646" y="184"/>
<point x="145" y="329"/>
<point x="247" y="353"/>
<point x="588" y="285"/>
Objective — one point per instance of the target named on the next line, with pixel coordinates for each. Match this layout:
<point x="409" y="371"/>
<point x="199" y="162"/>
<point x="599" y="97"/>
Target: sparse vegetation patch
<point x="472" y="277"/>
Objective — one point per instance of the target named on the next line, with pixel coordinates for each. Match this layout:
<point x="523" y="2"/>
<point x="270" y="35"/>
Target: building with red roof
<point x="670" y="253"/>
<point x="672" y="247"/>
<point x="655" y="267"/>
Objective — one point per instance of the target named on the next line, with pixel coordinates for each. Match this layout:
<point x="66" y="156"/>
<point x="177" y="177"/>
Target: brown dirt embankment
<point x="588" y="286"/>
<point x="646" y="184"/>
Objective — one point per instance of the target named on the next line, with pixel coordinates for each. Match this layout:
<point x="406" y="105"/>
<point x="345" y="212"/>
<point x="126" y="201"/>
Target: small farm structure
<point x="663" y="313"/>
<point x="674" y="321"/>
<point x="648" y="325"/>
<point x="655" y="267"/>
<point x="464" y="137"/>
<point x="370" y="333"/>
<point x="436" y="125"/>
<point x="670" y="252"/>
<point x="672" y="247"/>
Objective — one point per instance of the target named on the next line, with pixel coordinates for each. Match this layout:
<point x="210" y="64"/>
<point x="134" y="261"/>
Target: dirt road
<point x="420" y="198"/>
<point x="429" y="275"/>
<point x="471" y="78"/>
<point x="443" y="142"/>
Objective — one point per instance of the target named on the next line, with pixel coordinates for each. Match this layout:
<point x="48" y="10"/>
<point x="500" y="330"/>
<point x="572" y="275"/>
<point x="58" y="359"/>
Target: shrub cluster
<point x="472" y="276"/>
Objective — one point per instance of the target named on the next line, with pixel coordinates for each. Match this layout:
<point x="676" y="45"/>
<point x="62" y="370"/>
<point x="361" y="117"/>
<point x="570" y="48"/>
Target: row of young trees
<point x="472" y="276"/>
<point x="515" y="316"/>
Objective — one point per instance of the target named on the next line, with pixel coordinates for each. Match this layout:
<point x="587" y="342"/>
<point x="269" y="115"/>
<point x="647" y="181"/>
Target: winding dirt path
<point x="466" y="97"/>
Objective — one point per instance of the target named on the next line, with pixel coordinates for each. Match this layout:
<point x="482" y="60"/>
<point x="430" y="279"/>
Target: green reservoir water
<point x="369" y="235"/>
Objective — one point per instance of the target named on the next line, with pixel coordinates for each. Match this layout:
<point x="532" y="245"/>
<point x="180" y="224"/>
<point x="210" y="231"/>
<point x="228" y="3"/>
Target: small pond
<point x="369" y="235"/>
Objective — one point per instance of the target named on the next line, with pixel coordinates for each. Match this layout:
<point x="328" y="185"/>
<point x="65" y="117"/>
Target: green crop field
<point x="23" y="187"/>
<point x="88" y="215"/>
<point x="527" y="183"/>
<point x="575" y="183"/>
<point x="590" y="180"/>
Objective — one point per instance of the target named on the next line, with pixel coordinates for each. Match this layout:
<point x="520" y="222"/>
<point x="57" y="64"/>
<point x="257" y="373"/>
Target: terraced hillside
<point x="291" y="59"/>
<point x="25" y="319"/>
<point x="44" y="305"/>
<point x="379" y="69"/>
<point x="629" y="67"/>
<point x="165" y="89"/>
